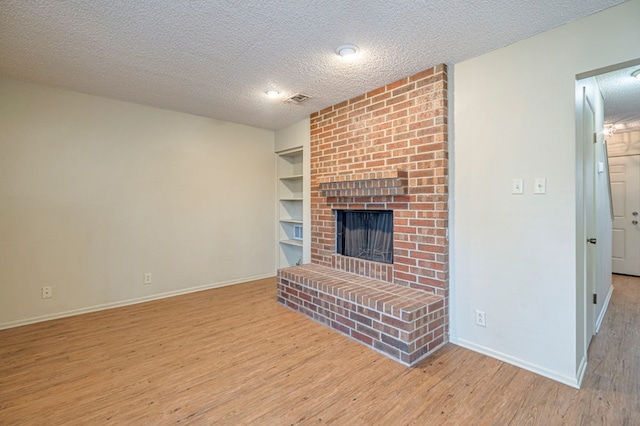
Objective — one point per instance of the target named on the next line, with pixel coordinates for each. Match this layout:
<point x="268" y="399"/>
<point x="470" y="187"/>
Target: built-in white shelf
<point x="297" y="243"/>
<point x="295" y="177"/>
<point x="296" y="221"/>
<point x="290" y="199"/>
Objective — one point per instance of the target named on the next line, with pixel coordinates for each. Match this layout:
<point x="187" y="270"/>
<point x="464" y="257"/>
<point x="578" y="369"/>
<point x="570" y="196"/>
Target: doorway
<point x="621" y="90"/>
<point x="613" y="95"/>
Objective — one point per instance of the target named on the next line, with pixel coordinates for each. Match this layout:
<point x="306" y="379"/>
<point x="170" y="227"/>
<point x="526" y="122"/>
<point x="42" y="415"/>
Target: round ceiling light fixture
<point x="636" y="74"/>
<point x="272" y="93"/>
<point x="347" y="50"/>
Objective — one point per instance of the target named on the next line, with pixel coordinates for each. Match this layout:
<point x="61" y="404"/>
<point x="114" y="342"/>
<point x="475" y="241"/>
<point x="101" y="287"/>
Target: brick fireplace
<point x="384" y="150"/>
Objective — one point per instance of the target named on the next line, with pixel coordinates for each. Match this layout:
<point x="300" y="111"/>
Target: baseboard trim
<point x="581" y="370"/>
<point x="101" y="307"/>
<point x="604" y="309"/>
<point x="550" y="374"/>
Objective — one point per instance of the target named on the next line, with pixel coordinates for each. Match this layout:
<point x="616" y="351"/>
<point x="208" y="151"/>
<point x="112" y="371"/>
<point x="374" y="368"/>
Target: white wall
<point x="96" y="192"/>
<point x="516" y="256"/>
<point x="294" y="136"/>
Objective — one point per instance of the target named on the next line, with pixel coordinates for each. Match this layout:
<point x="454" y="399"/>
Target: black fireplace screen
<point x="365" y="234"/>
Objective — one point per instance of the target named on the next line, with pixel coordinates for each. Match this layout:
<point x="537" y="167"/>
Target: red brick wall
<point x="402" y="125"/>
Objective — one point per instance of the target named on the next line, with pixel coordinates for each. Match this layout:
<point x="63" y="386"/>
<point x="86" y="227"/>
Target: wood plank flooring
<point x="233" y="356"/>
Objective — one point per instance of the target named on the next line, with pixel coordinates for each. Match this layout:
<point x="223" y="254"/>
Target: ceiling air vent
<point x="298" y="98"/>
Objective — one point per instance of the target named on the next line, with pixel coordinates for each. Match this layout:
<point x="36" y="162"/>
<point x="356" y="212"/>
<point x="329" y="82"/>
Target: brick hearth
<point x="401" y="322"/>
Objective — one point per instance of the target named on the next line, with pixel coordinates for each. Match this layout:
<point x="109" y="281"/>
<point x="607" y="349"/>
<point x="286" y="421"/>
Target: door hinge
<point x="595" y="299"/>
<point x="595" y="137"/>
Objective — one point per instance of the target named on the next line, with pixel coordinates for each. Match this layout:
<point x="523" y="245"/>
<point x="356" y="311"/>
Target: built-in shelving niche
<point x="290" y="213"/>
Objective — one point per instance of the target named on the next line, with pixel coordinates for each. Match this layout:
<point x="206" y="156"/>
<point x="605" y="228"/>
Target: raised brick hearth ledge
<point x="403" y="323"/>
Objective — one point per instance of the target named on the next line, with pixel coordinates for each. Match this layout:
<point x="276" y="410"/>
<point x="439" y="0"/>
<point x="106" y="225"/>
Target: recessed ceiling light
<point x="347" y="50"/>
<point x="636" y="74"/>
<point x="272" y="93"/>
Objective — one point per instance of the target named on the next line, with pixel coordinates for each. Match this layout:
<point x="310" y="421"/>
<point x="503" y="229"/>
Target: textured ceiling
<point x="215" y="58"/>
<point x="621" y="94"/>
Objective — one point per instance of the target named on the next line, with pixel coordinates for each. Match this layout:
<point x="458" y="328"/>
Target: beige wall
<point x="517" y="257"/>
<point x="95" y="192"/>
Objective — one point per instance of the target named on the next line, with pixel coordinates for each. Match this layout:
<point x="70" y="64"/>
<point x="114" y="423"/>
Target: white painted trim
<point x="553" y="375"/>
<point x="604" y="309"/>
<point x="128" y="302"/>
<point x="581" y="370"/>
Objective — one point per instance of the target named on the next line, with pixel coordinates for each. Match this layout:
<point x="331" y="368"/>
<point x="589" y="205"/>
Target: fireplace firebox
<point x="365" y="234"/>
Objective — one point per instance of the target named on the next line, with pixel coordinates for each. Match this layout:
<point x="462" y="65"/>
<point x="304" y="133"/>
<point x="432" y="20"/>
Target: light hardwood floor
<point x="233" y="356"/>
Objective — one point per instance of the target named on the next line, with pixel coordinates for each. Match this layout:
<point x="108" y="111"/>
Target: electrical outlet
<point x="147" y="278"/>
<point x="481" y="319"/>
<point x="47" y="292"/>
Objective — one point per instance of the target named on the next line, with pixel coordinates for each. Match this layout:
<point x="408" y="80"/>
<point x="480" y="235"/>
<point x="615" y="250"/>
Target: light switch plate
<point x="540" y="186"/>
<point x="517" y="186"/>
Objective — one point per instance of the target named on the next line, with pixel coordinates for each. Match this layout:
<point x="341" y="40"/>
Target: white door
<point x="625" y="194"/>
<point x="590" y="216"/>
